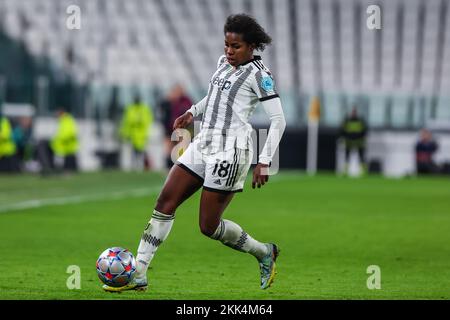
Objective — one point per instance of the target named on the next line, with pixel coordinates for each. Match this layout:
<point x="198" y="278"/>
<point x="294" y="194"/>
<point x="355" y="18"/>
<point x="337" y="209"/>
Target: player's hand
<point x="260" y="175"/>
<point x="183" y="121"/>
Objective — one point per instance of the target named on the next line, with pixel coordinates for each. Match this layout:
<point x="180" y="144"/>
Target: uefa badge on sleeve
<point x="267" y="84"/>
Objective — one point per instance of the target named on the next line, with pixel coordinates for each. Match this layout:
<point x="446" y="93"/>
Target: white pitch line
<point x="116" y="195"/>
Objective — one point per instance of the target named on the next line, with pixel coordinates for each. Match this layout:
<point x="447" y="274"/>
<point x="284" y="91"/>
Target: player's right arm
<point x="186" y="119"/>
<point x="197" y="109"/>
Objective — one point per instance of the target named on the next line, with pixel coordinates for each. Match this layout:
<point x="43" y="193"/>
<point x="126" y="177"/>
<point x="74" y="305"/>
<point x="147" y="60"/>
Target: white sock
<point x="155" y="233"/>
<point x="232" y="235"/>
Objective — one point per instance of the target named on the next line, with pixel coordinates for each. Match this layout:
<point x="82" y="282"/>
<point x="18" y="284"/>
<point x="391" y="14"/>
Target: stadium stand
<point x="320" y="48"/>
<point x="398" y="75"/>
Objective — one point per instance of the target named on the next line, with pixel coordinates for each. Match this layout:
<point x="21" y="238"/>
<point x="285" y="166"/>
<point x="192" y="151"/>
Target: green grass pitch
<point x="329" y="229"/>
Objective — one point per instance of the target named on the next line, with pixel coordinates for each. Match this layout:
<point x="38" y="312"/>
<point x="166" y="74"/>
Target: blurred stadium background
<point x="330" y="229"/>
<point x="398" y="76"/>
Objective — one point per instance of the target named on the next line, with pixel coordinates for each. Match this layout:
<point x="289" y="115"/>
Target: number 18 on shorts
<point x="222" y="171"/>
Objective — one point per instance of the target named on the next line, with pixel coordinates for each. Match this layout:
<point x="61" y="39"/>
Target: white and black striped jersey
<point x="233" y="95"/>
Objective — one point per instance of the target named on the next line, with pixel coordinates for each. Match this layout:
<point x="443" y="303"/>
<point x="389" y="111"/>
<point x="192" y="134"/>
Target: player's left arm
<point x="264" y="87"/>
<point x="274" y="110"/>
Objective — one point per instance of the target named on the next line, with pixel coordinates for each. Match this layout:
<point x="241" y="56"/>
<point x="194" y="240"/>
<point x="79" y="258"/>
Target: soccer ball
<point x="116" y="267"/>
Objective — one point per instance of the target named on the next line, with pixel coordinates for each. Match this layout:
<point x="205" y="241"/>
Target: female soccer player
<point x="220" y="156"/>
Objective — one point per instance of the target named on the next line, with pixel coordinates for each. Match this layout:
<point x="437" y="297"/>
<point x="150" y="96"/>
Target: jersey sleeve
<point x="263" y="85"/>
<point x="222" y="60"/>
<point x="199" y="107"/>
<point x="274" y="110"/>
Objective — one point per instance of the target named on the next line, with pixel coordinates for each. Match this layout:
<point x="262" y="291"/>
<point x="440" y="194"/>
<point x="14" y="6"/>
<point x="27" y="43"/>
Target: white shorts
<point x="222" y="171"/>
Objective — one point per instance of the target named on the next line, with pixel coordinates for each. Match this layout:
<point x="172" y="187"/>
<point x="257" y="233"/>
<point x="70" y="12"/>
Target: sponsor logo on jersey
<point x="218" y="182"/>
<point x="224" y="85"/>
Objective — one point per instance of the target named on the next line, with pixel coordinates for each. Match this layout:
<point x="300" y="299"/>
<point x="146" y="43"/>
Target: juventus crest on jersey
<point x="233" y="95"/>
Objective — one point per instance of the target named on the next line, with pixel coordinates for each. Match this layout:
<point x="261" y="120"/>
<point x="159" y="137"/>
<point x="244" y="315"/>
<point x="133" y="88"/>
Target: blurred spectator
<point x="137" y="120"/>
<point x="164" y="110"/>
<point x="174" y="105"/>
<point x="425" y="148"/>
<point x="354" y="131"/>
<point x="180" y="103"/>
<point x="8" y="161"/>
<point x="65" y="142"/>
<point x="22" y="139"/>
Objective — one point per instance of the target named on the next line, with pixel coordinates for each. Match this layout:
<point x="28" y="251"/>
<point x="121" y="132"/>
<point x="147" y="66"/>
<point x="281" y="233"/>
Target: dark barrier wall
<point x="294" y="144"/>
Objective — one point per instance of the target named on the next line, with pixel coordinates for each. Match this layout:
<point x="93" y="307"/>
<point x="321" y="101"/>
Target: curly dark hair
<point x="250" y="29"/>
